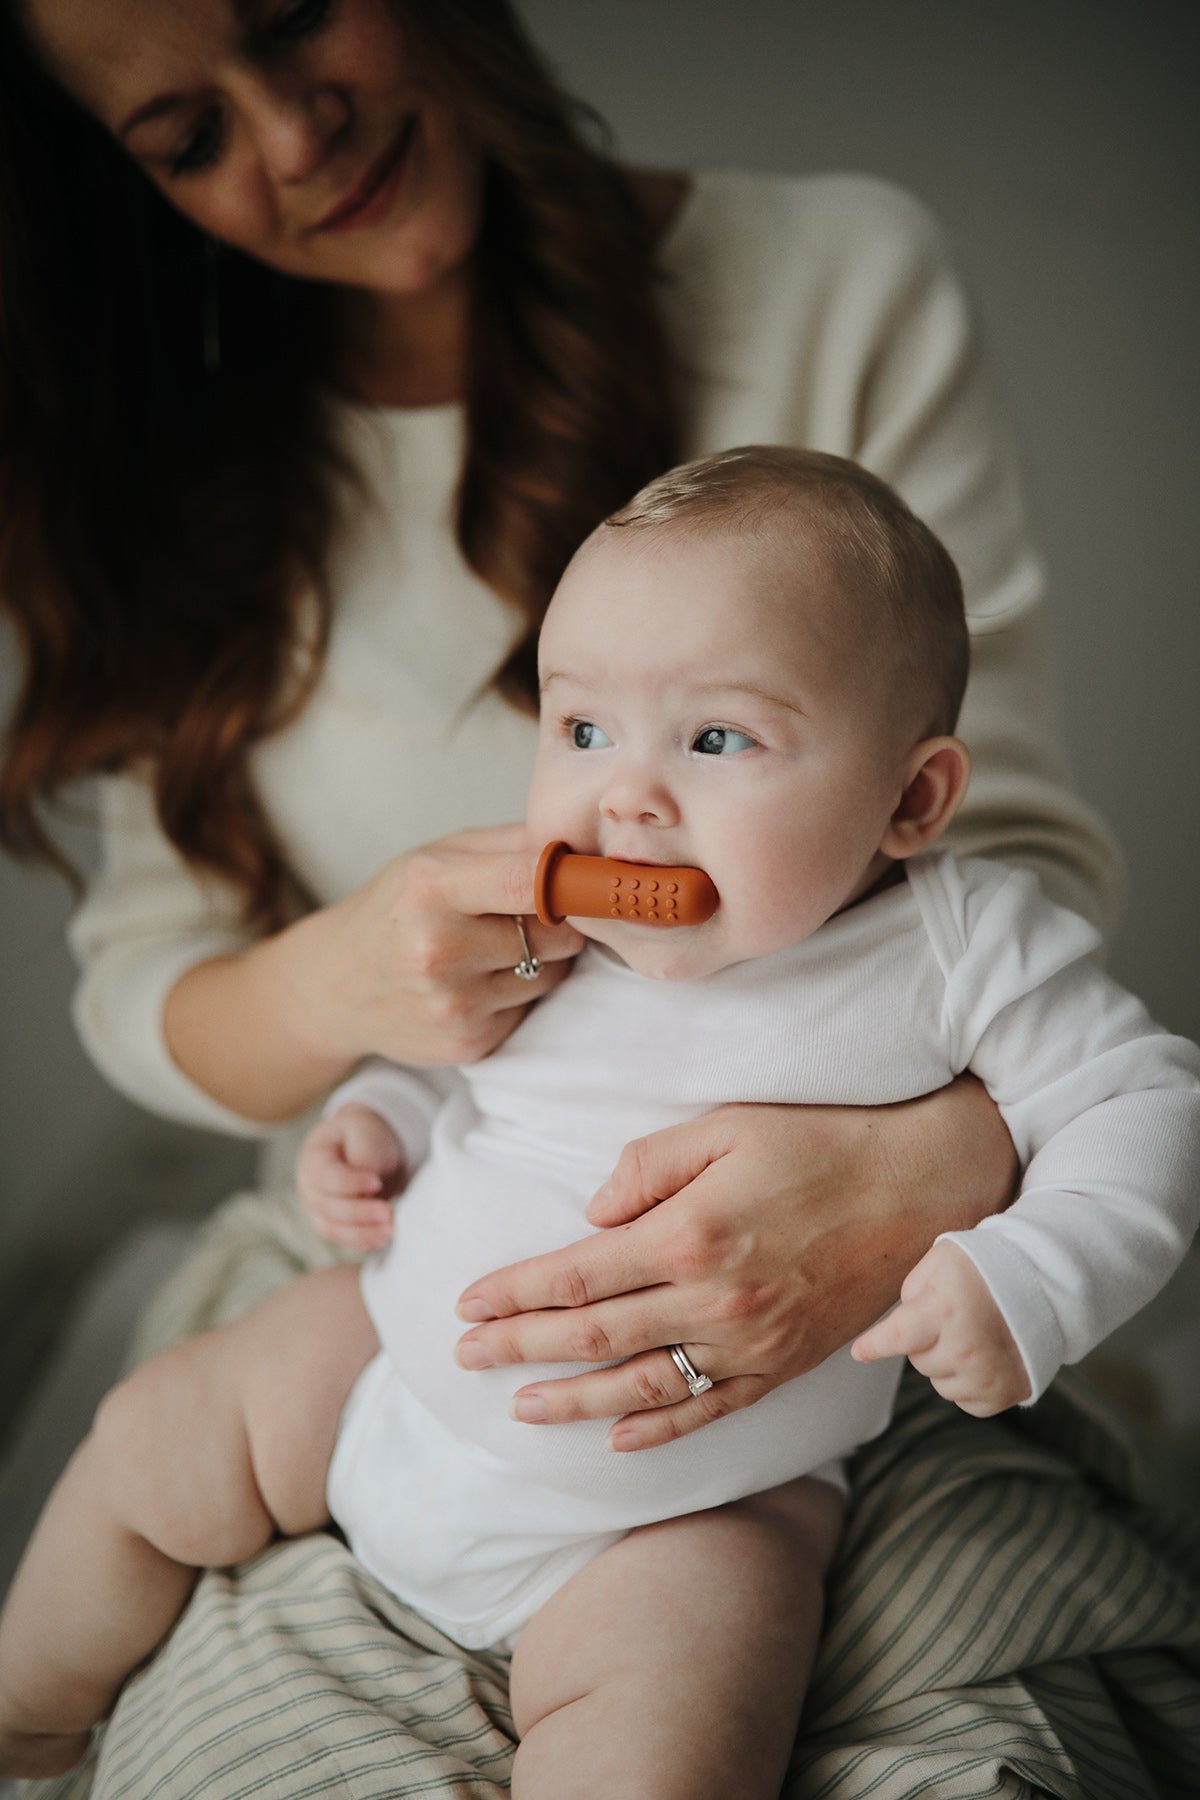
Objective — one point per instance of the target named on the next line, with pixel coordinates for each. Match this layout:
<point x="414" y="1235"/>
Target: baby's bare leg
<point x="198" y="1460"/>
<point x="674" y="1665"/>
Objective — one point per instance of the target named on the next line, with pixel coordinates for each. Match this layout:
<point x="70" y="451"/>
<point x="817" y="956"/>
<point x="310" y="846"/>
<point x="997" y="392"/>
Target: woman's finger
<point x="508" y="989"/>
<point x="596" y="1268"/>
<point x="642" y="1384"/>
<point x="645" y="1430"/>
<point x="652" y="1169"/>
<point x="610" y="1331"/>
<point x="474" y="879"/>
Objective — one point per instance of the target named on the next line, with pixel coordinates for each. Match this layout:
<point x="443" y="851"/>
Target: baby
<point x="754" y="669"/>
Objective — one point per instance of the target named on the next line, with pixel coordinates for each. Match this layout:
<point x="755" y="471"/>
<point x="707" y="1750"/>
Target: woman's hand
<point x="418" y="965"/>
<point x="760" y="1238"/>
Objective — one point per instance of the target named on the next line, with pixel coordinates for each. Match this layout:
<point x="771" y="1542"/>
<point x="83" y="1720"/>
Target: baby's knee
<point x="127" y="1430"/>
<point x="159" y="1471"/>
<point x="802" y="1517"/>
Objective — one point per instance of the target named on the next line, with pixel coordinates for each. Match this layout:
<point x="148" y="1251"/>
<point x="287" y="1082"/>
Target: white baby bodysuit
<point x="475" y="1519"/>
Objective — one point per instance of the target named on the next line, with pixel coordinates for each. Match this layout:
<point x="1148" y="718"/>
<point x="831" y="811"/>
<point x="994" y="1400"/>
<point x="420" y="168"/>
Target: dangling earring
<point x="212" y="306"/>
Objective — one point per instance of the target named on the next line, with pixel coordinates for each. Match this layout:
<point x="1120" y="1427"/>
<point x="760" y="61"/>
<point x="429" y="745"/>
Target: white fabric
<point x="821" y="311"/>
<point x="472" y="1517"/>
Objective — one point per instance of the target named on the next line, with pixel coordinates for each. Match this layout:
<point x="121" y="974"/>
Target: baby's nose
<point x="637" y="796"/>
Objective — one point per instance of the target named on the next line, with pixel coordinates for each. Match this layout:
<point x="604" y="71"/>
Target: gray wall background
<point x="1057" y="140"/>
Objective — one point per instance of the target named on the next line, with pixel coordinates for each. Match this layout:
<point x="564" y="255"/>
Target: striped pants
<point x="1010" y="1614"/>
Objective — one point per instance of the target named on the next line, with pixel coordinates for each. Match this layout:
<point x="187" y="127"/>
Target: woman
<point x="292" y="463"/>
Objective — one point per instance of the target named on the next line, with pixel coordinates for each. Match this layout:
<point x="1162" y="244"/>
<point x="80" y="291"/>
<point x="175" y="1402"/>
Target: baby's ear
<point x="935" y="780"/>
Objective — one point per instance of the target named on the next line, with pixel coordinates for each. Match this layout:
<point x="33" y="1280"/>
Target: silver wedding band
<point x="697" y="1383"/>
<point x="529" y="967"/>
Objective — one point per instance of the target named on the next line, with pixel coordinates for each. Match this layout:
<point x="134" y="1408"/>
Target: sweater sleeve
<point x="146" y="918"/>
<point x="1104" y="1108"/>
<point x="909" y="393"/>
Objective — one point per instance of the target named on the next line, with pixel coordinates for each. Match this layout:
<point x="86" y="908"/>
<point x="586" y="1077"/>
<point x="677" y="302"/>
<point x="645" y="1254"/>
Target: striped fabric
<point x="1005" y="1619"/>
<point x="1008" y="1616"/>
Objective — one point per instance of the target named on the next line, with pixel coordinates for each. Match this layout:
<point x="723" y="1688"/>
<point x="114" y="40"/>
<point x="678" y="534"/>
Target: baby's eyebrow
<point x="770" y="695"/>
<point x="553" y="675"/>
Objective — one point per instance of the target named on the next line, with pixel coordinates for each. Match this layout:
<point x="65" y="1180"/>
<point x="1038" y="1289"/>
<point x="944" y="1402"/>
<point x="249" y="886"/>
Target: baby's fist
<point x="951" y="1330"/>
<point x="350" y="1167"/>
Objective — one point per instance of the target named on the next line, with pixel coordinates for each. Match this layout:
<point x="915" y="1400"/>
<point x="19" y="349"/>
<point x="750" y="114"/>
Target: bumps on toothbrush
<point x="600" y="887"/>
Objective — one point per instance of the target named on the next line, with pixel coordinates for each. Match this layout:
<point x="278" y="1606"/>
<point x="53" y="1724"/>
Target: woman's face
<point x="300" y="131"/>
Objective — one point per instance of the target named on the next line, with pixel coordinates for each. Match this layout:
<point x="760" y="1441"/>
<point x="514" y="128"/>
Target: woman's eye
<point x="586" y="736"/>
<point x="719" y="740"/>
<point x="202" y="148"/>
<point x="300" y="20"/>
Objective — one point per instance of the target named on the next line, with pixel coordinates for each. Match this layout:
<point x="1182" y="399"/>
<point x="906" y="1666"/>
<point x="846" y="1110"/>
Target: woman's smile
<point x="370" y="199"/>
<point x="312" y="140"/>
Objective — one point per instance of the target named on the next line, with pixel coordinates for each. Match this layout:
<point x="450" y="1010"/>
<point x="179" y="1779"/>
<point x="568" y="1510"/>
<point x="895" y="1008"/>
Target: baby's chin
<point x="659" y="952"/>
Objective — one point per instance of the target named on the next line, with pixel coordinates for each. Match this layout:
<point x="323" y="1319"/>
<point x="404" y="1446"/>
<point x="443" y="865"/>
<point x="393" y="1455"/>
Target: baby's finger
<point x="906" y="1330"/>
<point x="968" y="1397"/>
<point x="354" y="1226"/>
<point x="368" y="1214"/>
<point x="934" y="1364"/>
<point x="354" y="1237"/>
<point x="369" y="1145"/>
<point x="339" y="1178"/>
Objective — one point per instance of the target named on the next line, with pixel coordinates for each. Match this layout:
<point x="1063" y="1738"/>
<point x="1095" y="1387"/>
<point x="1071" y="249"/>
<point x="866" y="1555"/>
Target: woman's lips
<point x="370" y="198"/>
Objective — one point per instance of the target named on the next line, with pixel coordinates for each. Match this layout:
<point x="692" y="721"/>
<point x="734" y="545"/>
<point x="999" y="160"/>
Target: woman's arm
<point x="189" y="1014"/>
<point x="417" y="966"/>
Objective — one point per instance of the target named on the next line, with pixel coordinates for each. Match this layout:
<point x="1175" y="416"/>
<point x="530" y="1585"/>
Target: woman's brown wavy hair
<point x="160" y="520"/>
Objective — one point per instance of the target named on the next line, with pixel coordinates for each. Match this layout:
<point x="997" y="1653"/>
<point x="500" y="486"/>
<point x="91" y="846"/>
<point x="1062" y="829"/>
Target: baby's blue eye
<point x="586" y="736"/>
<point x="719" y="740"/>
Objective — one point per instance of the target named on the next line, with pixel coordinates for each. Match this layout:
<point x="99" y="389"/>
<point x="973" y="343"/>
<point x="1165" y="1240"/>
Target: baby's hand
<point x="350" y="1166"/>
<point x="950" y="1328"/>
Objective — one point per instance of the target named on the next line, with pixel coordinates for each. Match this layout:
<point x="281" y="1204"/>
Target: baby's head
<point x="755" y="668"/>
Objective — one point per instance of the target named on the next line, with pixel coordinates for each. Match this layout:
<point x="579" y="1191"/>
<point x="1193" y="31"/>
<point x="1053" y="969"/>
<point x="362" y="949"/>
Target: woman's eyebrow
<point x="244" y="13"/>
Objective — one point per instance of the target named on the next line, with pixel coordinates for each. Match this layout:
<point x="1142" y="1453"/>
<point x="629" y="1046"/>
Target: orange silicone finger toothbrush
<point x="599" y="887"/>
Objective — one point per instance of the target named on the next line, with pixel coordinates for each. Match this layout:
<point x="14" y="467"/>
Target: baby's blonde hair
<point x="899" y="578"/>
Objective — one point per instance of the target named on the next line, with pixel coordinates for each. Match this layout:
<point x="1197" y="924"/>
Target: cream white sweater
<point x="822" y="311"/>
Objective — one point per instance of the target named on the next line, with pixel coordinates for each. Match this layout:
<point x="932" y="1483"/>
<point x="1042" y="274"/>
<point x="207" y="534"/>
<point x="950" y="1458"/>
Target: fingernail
<point x="528" y="1409"/>
<point x="624" y="1437"/>
<point x="473" y="1356"/>
<point x="474" y="1312"/>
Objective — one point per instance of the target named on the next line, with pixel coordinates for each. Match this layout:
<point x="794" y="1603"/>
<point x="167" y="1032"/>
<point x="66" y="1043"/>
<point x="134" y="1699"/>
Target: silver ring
<point x="529" y="967"/>
<point x="697" y="1383"/>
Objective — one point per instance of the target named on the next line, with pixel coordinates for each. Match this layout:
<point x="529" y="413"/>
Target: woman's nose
<point x="295" y="126"/>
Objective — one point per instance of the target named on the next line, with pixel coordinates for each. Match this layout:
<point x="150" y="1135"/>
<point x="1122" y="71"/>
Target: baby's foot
<point x="29" y="1755"/>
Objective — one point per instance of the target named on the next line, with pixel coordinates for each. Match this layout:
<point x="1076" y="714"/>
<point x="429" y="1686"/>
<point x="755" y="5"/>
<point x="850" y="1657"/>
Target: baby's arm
<point x="376" y="1130"/>
<point x="1104" y="1110"/>
<point x="951" y="1330"/>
